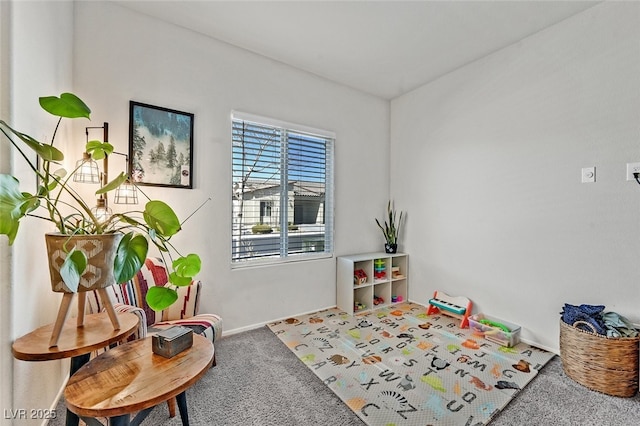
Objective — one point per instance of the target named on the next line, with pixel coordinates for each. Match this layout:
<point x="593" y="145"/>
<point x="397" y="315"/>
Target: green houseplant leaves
<point x="73" y="216"/>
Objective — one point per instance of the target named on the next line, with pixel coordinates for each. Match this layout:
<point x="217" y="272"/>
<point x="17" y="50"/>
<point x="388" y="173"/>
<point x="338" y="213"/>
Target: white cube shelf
<point x="385" y="283"/>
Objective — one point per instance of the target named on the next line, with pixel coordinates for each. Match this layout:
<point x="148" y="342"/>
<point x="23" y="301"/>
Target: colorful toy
<point x="377" y="300"/>
<point x="457" y="307"/>
<point x="379" y="269"/>
<point x="359" y="277"/>
<point x="495" y="324"/>
<point x="357" y="306"/>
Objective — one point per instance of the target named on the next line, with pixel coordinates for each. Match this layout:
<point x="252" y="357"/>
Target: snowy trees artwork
<point x="160" y="146"/>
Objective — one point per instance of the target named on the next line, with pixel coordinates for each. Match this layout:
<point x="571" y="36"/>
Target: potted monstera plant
<point x="80" y="233"/>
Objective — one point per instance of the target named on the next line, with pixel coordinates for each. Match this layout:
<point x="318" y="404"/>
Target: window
<point x="282" y="191"/>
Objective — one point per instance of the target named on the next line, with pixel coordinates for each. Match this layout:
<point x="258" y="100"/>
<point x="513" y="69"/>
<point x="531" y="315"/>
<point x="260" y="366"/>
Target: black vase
<point x="390" y="248"/>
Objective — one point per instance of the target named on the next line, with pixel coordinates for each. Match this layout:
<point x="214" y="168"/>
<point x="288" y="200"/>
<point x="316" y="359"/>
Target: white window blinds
<point x="282" y="190"/>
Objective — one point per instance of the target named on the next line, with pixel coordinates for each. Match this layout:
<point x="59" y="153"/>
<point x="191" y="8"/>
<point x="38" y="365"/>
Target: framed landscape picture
<point x="160" y="146"/>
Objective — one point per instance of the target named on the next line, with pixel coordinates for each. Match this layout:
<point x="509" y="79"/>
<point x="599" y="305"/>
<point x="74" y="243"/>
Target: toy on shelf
<point x="379" y="267"/>
<point x="395" y="272"/>
<point x="359" y="277"/>
<point x="377" y="300"/>
<point x="357" y="306"/>
<point x="457" y="307"/>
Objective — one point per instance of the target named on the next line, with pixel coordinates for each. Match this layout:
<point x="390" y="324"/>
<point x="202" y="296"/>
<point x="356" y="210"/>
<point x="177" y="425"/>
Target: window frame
<point x="285" y="126"/>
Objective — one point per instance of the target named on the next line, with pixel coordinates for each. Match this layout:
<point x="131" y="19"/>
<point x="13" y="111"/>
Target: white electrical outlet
<point x="631" y="169"/>
<point x="588" y="174"/>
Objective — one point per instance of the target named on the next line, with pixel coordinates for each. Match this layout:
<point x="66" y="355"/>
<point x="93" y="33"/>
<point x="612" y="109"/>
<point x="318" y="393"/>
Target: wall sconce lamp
<point x="88" y="172"/>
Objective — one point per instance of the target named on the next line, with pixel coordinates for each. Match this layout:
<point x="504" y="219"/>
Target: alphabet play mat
<point x="399" y="366"/>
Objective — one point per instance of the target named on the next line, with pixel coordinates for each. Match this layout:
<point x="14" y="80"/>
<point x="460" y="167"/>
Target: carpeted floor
<point x="259" y="381"/>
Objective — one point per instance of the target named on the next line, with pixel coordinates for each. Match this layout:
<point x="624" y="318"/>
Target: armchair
<point x="130" y="297"/>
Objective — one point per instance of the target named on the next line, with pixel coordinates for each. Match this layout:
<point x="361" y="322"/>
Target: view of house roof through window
<point x="282" y="190"/>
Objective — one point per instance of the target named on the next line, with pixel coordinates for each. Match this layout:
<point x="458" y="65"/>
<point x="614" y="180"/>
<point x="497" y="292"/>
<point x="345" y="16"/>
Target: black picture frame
<point x="160" y="146"/>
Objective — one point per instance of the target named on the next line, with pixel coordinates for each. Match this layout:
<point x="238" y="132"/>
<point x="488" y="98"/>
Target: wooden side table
<point x="74" y="342"/>
<point x="131" y="378"/>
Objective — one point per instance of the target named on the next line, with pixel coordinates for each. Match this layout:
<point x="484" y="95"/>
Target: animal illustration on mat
<point x="371" y="359"/>
<point x="523" y="366"/>
<point x="322" y="343"/>
<point x="338" y="359"/>
<point x="502" y="384"/>
<point x="479" y="383"/>
<point x="439" y="363"/>
<point x="471" y="344"/>
<point x="364" y="323"/>
<point x="392" y="400"/>
<point x="406" y="383"/>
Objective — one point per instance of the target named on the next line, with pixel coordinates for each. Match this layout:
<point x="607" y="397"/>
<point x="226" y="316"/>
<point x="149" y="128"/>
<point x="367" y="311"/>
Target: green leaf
<point x="113" y="184"/>
<point x="98" y="150"/>
<point x="187" y="266"/>
<point x="159" y="216"/>
<point x="67" y="105"/>
<point x="14" y="205"/>
<point x="179" y="281"/>
<point x="45" y="151"/>
<point x="58" y="176"/>
<point x="160" y="298"/>
<point x="73" y="268"/>
<point x="131" y="254"/>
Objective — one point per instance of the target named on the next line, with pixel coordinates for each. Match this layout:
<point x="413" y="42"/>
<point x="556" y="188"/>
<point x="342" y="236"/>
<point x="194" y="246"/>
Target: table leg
<point x="76" y="362"/>
<point x="123" y="420"/>
<point x="182" y="406"/>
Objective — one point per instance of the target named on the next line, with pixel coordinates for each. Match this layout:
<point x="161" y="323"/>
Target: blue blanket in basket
<point x="608" y="324"/>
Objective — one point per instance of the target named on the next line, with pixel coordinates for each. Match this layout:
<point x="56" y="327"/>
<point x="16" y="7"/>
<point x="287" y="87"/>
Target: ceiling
<point x="384" y="48"/>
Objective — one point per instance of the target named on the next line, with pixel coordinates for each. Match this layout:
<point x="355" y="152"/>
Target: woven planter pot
<point x="100" y="251"/>
<point x="607" y="365"/>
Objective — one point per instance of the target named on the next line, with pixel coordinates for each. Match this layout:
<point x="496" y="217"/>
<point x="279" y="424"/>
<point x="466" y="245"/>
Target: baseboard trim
<point x="262" y="324"/>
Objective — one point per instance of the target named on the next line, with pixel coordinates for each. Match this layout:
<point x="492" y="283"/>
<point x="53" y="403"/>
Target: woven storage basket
<point x="607" y="365"/>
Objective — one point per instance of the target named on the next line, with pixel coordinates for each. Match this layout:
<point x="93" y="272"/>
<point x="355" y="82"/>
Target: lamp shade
<point x="101" y="211"/>
<point x="126" y="193"/>
<point x="86" y="170"/>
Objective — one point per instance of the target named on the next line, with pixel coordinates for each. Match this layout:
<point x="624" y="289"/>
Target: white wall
<point x="121" y="55"/>
<point x="487" y="161"/>
<point x="39" y="42"/>
<point x="6" y="361"/>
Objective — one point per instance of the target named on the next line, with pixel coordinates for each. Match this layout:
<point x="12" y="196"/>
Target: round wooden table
<point x="74" y="342"/>
<point x="131" y="378"/>
<point x="96" y="333"/>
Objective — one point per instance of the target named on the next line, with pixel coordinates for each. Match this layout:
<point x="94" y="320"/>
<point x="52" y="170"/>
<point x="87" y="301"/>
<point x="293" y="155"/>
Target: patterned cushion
<point x="187" y="304"/>
<point x="130" y="297"/>
<point x="208" y="325"/>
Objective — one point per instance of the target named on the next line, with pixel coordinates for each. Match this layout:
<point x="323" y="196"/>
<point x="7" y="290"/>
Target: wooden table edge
<point x="139" y="406"/>
<point x="118" y="336"/>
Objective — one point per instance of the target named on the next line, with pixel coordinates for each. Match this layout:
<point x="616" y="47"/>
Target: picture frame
<point x="160" y="146"/>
